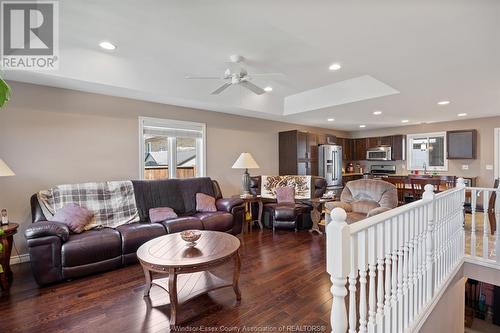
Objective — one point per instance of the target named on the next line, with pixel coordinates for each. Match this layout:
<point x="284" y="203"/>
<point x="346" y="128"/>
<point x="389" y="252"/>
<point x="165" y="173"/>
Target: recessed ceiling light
<point x="377" y="113"/>
<point x="268" y="89"/>
<point x="331" y="119"/>
<point x="443" y="102"/>
<point x="362" y="126"/>
<point x="462" y="114"/>
<point x="404" y="120"/>
<point x="335" y="67"/>
<point x="107" y="45"/>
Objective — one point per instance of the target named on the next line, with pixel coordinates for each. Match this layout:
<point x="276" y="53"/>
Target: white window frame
<point x="201" y="161"/>
<point x="409" y="149"/>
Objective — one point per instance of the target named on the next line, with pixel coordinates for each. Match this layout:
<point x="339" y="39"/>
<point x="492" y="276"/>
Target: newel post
<point x="429" y="195"/>
<point x="338" y="259"/>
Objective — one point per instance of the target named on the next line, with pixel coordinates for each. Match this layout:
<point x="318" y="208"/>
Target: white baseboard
<point x="19" y="259"/>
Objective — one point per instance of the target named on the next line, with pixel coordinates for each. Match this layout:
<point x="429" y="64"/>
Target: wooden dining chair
<point x="418" y="184"/>
<point x="400" y="183"/>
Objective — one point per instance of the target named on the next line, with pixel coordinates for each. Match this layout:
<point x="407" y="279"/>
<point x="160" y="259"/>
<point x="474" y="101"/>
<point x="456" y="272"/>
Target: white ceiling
<point x="427" y="50"/>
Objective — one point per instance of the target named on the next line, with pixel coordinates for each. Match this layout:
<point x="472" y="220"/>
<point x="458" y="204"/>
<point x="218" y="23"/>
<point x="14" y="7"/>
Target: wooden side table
<point x="248" y="200"/>
<point x="7" y="241"/>
<point x="317" y="204"/>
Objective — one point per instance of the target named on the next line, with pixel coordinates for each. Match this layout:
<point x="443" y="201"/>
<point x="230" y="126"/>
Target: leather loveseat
<point x="56" y="254"/>
<point x="302" y="208"/>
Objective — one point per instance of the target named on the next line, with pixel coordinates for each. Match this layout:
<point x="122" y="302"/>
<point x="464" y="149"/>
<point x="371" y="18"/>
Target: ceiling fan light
<point x="268" y="89"/>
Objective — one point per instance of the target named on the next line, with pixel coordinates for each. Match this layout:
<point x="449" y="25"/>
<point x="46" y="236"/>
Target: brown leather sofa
<point x="284" y="216"/>
<point x="56" y="254"/>
<point x="363" y="198"/>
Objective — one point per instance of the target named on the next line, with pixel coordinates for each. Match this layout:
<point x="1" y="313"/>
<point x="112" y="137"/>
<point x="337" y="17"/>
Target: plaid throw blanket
<point x="113" y="203"/>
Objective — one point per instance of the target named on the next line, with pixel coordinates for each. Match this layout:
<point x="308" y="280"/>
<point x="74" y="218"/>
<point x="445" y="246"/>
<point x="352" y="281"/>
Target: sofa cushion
<point x="285" y="212"/>
<point x="74" y="216"/>
<point x="161" y="214"/>
<point x="285" y="194"/>
<point x="363" y="206"/>
<point x="157" y="193"/>
<point x="135" y="234"/>
<point x="188" y="189"/>
<point x="182" y="223"/>
<point x="91" y="246"/>
<point x="217" y="221"/>
<point x="205" y="203"/>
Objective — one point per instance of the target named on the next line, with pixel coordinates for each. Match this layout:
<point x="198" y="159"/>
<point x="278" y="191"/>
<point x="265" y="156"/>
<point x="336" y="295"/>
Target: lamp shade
<point x="5" y="170"/>
<point x="245" y="161"/>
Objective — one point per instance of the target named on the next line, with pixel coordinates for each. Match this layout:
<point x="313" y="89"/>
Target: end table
<point x="317" y="204"/>
<point x="248" y="200"/>
<point x="7" y="241"/>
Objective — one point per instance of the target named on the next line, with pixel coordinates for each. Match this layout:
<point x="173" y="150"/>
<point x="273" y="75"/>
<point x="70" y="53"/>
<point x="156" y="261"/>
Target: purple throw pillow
<point x="74" y="216"/>
<point x="205" y="203"/>
<point x="161" y="214"/>
<point x="285" y="194"/>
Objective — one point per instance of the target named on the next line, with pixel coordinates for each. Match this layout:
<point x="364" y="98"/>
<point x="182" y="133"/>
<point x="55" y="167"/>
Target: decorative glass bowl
<point x="190" y="236"/>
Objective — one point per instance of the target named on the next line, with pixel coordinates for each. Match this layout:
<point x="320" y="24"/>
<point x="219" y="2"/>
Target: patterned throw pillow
<point x="74" y="216"/>
<point x="161" y="214"/>
<point x="205" y="203"/>
<point x="285" y="194"/>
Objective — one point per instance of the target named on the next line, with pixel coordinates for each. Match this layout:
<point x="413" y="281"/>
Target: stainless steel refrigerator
<point x="330" y="166"/>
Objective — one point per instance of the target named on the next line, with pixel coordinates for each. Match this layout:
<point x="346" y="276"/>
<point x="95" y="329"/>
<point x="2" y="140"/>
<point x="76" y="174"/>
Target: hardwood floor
<point x="283" y="282"/>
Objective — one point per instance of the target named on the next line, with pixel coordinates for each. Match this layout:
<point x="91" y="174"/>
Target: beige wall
<point x="52" y="136"/>
<point x="477" y="167"/>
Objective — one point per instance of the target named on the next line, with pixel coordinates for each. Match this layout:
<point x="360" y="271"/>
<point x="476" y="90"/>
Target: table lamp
<point x="5" y="171"/>
<point x="245" y="161"/>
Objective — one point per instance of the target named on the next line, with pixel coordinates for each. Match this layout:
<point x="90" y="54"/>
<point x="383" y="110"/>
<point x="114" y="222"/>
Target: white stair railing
<point x="391" y="265"/>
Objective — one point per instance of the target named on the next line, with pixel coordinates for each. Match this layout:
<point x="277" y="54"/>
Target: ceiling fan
<point x="239" y="77"/>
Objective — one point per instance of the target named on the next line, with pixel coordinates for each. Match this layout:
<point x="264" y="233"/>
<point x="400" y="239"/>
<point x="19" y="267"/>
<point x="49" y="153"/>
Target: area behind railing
<point x="388" y="269"/>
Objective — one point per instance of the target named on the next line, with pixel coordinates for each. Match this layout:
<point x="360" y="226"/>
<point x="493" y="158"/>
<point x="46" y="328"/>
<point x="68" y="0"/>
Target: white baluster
<point x="353" y="276"/>
<point x="411" y="266"/>
<point x="372" y="262"/>
<point x="428" y="195"/>
<point x="388" y="275"/>
<point x="473" y="198"/>
<point x="337" y="265"/>
<point x="497" y="231"/>
<point x="401" y="266"/>
<point x="394" y="277"/>
<point x="421" y="255"/>
<point x="406" y="237"/>
<point x="486" y="224"/>
<point x="380" y="272"/>
<point x="362" y="262"/>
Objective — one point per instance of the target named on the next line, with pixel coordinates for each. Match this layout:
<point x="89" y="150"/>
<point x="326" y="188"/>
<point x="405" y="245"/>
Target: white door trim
<point x="497" y="153"/>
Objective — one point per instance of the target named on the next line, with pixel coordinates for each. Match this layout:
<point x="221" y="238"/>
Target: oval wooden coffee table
<point x="187" y="267"/>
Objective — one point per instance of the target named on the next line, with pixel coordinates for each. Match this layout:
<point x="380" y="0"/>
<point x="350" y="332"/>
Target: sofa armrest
<point x="377" y="210"/>
<point x="47" y="228"/>
<point x="339" y="204"/>
<point x="227" y="204"/>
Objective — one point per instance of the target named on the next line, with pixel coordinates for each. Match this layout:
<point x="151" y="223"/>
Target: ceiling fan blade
<point x="221" y="88"/>
<point x="191" y="77"/>
<point x="250" y="86"/>
<point x="265" y="74"/>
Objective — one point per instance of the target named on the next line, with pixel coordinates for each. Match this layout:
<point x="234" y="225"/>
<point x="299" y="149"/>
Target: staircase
<point x="389" y="272"/>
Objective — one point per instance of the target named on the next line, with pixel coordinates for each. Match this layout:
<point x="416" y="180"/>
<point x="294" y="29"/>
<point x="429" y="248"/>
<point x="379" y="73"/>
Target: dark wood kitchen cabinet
<point x="461" y="144"/>
<point x="347" y="148"/>
<point x="360" y="146"/>
<point x="298" y="153"/>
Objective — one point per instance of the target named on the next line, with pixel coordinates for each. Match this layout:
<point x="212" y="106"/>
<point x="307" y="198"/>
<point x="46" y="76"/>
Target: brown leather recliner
<point x="363" y="198"/>
<point x="56" y="254"/>
<point x="301" y="209"/>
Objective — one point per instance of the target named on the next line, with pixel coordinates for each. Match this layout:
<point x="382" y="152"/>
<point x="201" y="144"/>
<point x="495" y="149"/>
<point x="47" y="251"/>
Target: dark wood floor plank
<point x="283" y="283"/>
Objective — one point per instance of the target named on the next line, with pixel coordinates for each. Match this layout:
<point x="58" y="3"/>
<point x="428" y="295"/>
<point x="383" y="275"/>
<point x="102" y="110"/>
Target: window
<point x="427" y="151"/>
<point x="171" y="148"/>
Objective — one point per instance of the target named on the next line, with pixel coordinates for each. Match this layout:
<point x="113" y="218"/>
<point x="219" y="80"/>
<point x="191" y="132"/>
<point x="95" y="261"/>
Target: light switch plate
<point x="465" y="167"/>
<point x="489" y="167"/>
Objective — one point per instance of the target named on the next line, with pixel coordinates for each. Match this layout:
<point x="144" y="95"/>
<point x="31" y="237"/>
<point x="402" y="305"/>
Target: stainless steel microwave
<point x="379" y="154"/>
